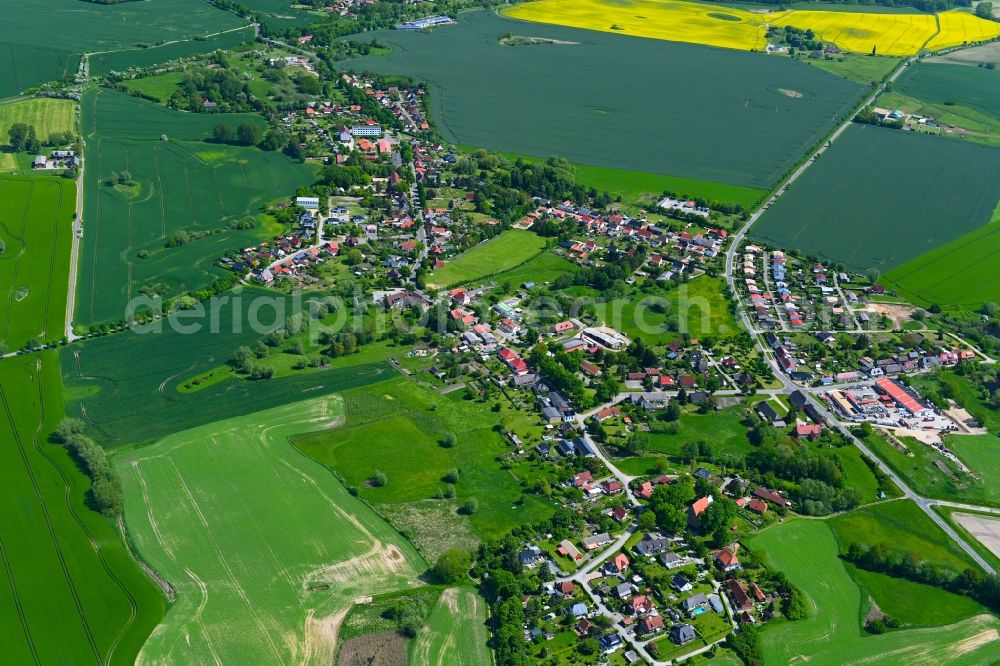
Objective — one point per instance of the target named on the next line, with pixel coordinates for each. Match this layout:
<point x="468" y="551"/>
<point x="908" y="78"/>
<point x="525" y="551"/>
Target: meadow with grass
<point x="888" y="33"/>
<point x="932" y="475"/>
<point x="806" y="551"/>
<point x="72" y="592"/>
<point x="698" y="308"/>
<point x="497" y="255"/>
<point x="736" y="123"/>
<point x="864" y="205"/>
<point x="182" y="188"/>
<point x="212" y="508"/>
<point x="401" y="429"/>
<point x="36" y="217"/>
<point x="48" y="116"/>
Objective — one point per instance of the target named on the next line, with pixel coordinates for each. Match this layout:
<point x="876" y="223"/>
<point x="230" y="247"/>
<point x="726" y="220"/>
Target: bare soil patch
<point x="985" y="529"/>
<point x="387" y="648"/>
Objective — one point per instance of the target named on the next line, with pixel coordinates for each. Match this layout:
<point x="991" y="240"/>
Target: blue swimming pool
<point x="699" y="610"/>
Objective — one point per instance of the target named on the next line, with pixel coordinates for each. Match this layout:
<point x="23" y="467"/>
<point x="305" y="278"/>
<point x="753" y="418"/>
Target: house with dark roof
<point x="682" y="634"/>
<point x="651" y="544"/>
<point x="610" y="642"/>
<point x="766" y="412"/>
<point x="694" y="601"/>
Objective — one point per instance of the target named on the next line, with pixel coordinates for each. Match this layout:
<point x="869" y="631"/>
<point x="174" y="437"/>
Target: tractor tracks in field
<point x="54" y="539"/>
<point x="71" y="508"/>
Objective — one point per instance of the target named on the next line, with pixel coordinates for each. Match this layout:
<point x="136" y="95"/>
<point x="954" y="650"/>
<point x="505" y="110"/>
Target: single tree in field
<point x="248" y="134"/>
<point x="470" y="506"/>
<point x="222" y="133"/>
<point x="18" y="134"/>
<point x="449" y="440"/>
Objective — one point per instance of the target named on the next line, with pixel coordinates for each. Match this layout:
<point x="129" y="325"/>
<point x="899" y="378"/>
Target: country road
<point x="74" y="256"/>
<point x="925" y="504"/>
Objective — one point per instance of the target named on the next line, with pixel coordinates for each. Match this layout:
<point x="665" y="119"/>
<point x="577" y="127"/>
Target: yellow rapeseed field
<point x="958" y="28"/>
<point x="890" y="34"/>
<point x="674" y="21"/>
<point x="680" y="21"/>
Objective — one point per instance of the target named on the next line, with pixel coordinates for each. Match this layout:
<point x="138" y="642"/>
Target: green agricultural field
<point x="881" y="197"/>
<point x="278" y="15"/>
<point x="267" y="551"/>
<point x="914" y="603"/>
<point x="183" y="184"/>
<point x="36" y="217"/>
<point x="72" y="594"/>
<point x="396" y="427"/>
<point x="119" y="61"/>
<point x="944" y="276"/>
<point x="861" y="69"/>
<point x="982" y="454"/>
<point x="633" y="185"/>
<point x="973" y="87"/>
<point x="28" y="59"/>
<point x="733" y="124"/>
<point x="904" y="526"/>
<point x="502" y="253"/>
<point x="455" y="633"/>
<point x="25" y="67"/>
<point x="806" y="551"/>
<point x="47" y="115"/>
<point x="127" y="385"/>
<point x="697" y="308"/>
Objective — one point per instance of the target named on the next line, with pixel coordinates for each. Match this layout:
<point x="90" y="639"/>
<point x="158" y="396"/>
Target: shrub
<point x="452" y="566"/>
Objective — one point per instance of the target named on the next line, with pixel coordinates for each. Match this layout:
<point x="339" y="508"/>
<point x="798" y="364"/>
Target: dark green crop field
<point x="70" y="593"/>
<point x="122" y="60"/>
<point x="961" y="274"/>
<point x="125" y="385"/>
<point x="936" y="83"/>
<point x="644" y="105"/>
<point x="36" y="215"/>
<point x="182" y="184"/>
<point x="25" y="67"/>
<point x="881" y="197"/>
<point x="42" y="41"/>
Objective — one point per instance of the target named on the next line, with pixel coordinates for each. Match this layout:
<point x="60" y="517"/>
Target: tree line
<point x="882" y="558"/>
<point x="105" y="493"/>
